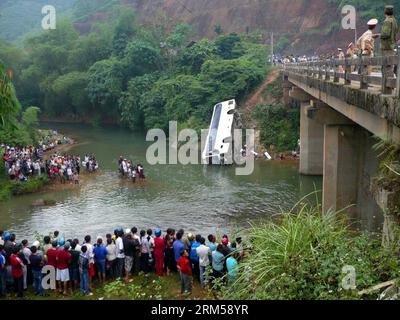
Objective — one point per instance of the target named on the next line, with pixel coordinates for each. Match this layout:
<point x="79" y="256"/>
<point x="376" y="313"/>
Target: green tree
<point x="141" y="57"/>
<point x="194" y="56"/>
<point x="104" y="86"/>
<point x="218" y="30"/>
<point x="226" y="45"/>
<point x="68" y="90"/>
<point x="9" y="104"/>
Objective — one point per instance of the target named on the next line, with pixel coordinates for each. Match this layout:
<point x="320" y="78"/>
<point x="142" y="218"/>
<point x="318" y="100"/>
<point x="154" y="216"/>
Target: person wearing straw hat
<point x="366" y="43"/>
<point x="388" y="41"/>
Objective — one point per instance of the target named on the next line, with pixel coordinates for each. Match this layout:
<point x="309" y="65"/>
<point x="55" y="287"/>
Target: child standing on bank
<point x="185" y="269"/>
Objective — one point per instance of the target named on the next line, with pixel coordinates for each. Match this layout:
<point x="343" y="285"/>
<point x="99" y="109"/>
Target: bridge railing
<point x="352" y="70"/>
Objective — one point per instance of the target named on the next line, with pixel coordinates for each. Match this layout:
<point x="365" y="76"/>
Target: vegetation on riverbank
<point x="16" y="188"/>
<point x="279" y="125"/>
<point x="302" y="256"/>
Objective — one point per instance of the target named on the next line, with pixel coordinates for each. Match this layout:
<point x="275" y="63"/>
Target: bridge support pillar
<point x="350" y="163"/>
<point x="340" y="167"/>
<point x="311" y="143"/>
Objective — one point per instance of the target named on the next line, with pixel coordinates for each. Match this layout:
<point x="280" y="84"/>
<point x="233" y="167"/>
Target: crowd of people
<point x="21" y="164"/>
<point x="117" y="256"/>
<point x="128" y="170"/>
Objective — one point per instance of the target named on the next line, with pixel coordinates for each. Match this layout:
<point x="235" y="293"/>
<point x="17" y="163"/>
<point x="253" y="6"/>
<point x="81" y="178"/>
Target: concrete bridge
<point x="342" y="113"/>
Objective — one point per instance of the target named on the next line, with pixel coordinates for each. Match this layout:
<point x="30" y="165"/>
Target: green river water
<point x="194" y="197"/>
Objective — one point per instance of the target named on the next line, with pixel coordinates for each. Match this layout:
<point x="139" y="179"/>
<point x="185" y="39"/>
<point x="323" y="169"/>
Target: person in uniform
<point x="340" y="57"/>
<point x="366" y="43"/>
<point x="388" y="42"/>
<point x="351" y="53"/>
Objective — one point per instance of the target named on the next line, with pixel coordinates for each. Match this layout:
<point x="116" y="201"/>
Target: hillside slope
<point x="300" y="26"/>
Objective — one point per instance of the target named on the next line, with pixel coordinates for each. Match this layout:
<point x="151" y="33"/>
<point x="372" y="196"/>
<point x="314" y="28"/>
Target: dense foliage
<point x="17" y="127"/>
<point x="302" y="256"/>
<point x="141" y="77"/>
<point x="279" y="126"/>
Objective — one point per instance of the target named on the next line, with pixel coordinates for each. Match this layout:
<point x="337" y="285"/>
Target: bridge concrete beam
<point x="311" y="143"/>
<point x="325" y="115"/>
<point x="299" y="95"/>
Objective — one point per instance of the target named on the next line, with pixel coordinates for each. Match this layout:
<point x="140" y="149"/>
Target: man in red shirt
<point x="185" y="270"/>
<point x="17" y="272"/>
<point x="63" y="260"/>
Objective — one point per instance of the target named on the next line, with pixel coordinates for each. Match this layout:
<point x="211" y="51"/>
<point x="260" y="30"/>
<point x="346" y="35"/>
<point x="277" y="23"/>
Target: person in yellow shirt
<point x="366" y="43"/>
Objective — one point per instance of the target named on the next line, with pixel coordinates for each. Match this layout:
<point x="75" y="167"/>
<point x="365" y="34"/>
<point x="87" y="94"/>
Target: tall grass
<point x="302" y="255"/>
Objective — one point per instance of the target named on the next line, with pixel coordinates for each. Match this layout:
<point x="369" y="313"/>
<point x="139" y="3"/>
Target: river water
<point x="194" y="197"/>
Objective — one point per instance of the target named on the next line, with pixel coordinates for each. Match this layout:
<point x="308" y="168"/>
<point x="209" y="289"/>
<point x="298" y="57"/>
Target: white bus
<point x="218" y="148"/>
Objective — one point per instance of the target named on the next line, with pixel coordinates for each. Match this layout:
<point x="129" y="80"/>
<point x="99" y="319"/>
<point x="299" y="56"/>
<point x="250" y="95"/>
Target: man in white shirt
<point x="120" y="253"/>
<point x="203" y="252"/>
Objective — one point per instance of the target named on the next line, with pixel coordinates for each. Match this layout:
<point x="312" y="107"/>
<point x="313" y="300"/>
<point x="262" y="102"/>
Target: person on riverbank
<point x="212" y="244"/>
<point x="90" y="253"/>
<point x="185" y="270"/>
<point x="100" y="256"/>
<point x="178" y="246"/>
<point x="194" y="258"/>
<point x="64" y="258"/>
<point x="232" y="265"/>
<point x="158" y="252"/>
<point x="119" y="243"/>
<point x="111" y="258"/>
<point x="130" y="252"/>
<point x="3" y="271"/>
<point x="17" y="272"/>
<point x="36" y="262"/>
<point x="84" y="271"/>
<point x="203" y="252"/>
<point x="144" y="252"/>
<point x="74" y="266"/>
<point x="25" y="254"/>
<point x="169" y="258"/>
<point x="218" y="259"/>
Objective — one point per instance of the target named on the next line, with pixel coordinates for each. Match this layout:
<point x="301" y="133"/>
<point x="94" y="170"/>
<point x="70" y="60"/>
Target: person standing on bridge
<point x="388" y="41"/>
<point x="340" y="57"/>
<point x="366" y="43"/>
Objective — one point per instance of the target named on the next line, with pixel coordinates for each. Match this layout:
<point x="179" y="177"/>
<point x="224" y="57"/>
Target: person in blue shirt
<point x="100" y="255"/>
<point x="194" y="258"/>
<point x="212" y="245"/>
<point x="218" y="260"/>
<point x="2" y="272"/>
<point x="232" y="265"/>
<point x="178" y="246"/>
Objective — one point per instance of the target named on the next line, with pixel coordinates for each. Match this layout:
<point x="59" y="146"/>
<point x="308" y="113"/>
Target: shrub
<point x="302" y="256"/>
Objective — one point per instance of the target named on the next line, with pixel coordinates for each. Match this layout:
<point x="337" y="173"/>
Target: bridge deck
<point x="360" y="97"/>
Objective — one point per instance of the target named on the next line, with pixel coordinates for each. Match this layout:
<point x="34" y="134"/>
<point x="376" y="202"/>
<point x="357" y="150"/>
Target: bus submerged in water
<point x="218" y="149"/>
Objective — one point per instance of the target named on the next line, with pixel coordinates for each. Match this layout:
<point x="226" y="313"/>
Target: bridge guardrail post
<point x="397" y="74"/>
<point x="335" y="72"/>
<point x="364" y="74"/>
<point x="327" y="72"/>
<point x="347" y="72"/>
<point x="384" y="74"/>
